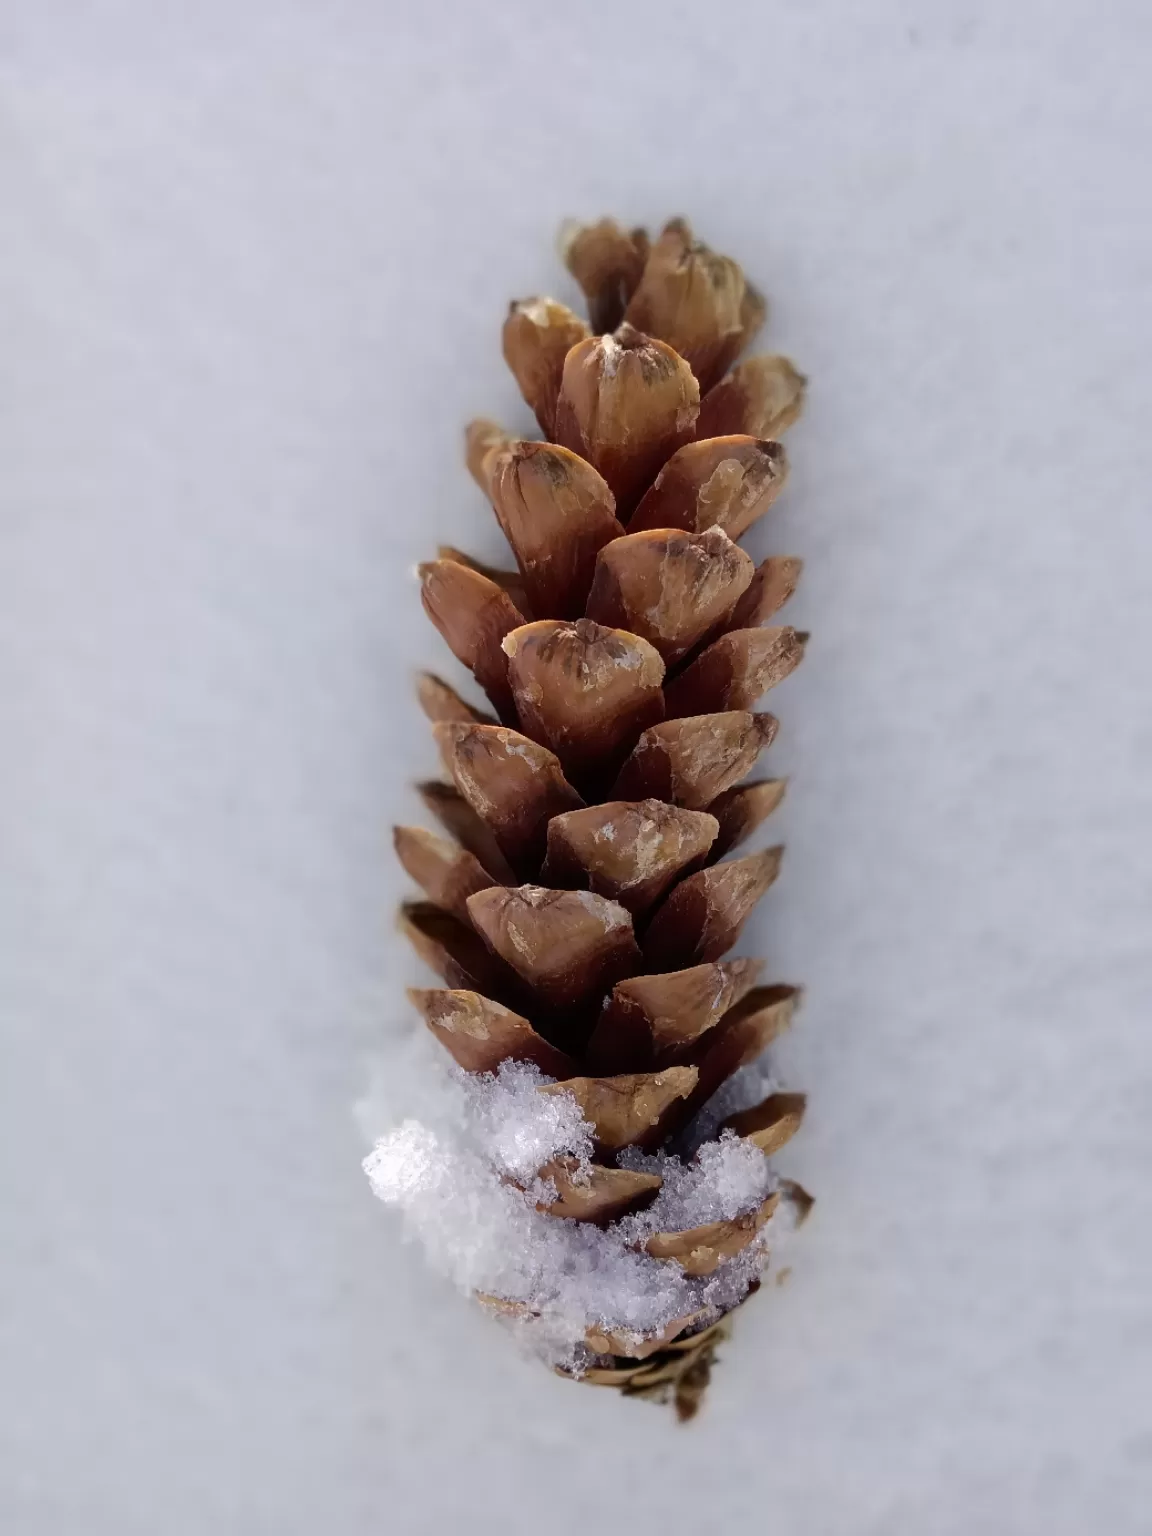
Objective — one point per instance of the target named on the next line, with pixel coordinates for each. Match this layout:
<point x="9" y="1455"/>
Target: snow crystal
<point x="726" y="1179"/>
<point x="464" y="1177"/>
<point x="522" y="1128"/>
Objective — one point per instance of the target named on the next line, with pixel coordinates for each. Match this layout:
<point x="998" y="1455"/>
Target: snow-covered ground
<point x="253" y="261"/>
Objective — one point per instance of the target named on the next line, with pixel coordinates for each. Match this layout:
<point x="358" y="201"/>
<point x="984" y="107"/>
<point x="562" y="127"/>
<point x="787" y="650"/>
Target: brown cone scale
<point x="454" y="951"/>
<point x="584" y="689"/>
<point x="761" y="397"/>
<point x="692" y="761"/>
<point x="480" y="1033"/>
<point x="771" y="1123"/>
<point x="627" y="402"/>
<point x="538" y="335"/>
<point x="736" y="670"/>
<point x="557" y="513"/>
<point x="440" y="701"/>
<point x="608" y="263"/>
<point x="483" y="440"/>
<point x="626" y="1110"/>
<point x="601" y="1195"/>
<point x="670" y="587"/>
<point x="631" y="852"/>
<point x="513" y="784"/>
<point x="740" y="811"/>
<point x="703" y="916"/>
<point x="471" y="831"/>
<point x="693" y="299"/>
<point x="721" y="482"/>
<point x="649" y="1020"/>
<point x="580" y="910"/>
<point x="772" y="584"/>
<point x="447" y="873"/>
<point x="473" y="614"/>
<point x="507" y="581"/>
<point x="566" y="946"/>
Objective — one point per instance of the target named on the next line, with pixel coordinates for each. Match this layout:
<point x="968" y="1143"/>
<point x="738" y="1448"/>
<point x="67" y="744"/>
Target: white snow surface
<point x="254" y="260"/>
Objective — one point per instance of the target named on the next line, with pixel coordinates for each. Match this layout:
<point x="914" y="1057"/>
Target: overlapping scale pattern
<point x="580" y="906"/>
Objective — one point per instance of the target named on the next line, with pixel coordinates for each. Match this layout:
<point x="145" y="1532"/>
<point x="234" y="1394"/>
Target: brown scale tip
<point x="537" y="337"/>
<point x="627" y="402"/>
<point x="648" y="1019"/>
<point x="451" y="949"/>
<point x="473" y="614"/>
<point x="703" y="916"/>
<point x="770" y="588"/>
<point x="556" y="513"/>
<point x="565" y="945"/>
<point x="734" y="671"/>
<point x="607" y="261"/>
<point x="771" y="1123"/>
<point x="483" y="440"/>
<point x="692" y="298"/>
<point x="743" y="1034"/>
<point x="739" y="811"/>
<point x="629" y="852"/>
<point x="509" y="581"/>
<point x="701" y="1250"/>
<point x="585" y="690"/>
<point x="513" y="784"/>
<point x="798" y="1198"/>
<point x="753" y="313"/>
<point x="479" y="1033"/>
<point x="761" y="396"/>
<point x="719" y="482"/>
<point x="599" y="1195"/>
<point x="458" y="818"/>
<point x="691" y="761"/>
<point x="440" y="701"/>
<point x="668" y="586"/>
<point x="447" y="873"/>
<point x="629" y="1109"/>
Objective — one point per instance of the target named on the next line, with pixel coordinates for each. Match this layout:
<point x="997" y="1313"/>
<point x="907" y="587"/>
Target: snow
<point x="254" y="261"/>
<point x="449" y="1171"/>
<point x="727" y="1177"/>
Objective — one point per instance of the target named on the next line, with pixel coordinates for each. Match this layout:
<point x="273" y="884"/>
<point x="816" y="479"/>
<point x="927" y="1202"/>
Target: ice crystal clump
<point x="464" y="1177"/>
<point x="726" y="1178"/>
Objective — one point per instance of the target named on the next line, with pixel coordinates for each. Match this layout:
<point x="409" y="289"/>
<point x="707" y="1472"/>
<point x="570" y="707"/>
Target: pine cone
<point x="578" y="911"/>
